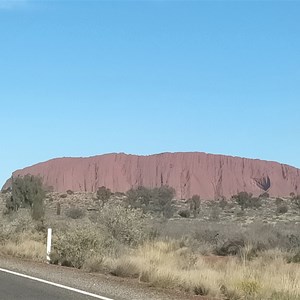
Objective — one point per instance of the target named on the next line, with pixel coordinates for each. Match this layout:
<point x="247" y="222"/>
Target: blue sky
<point x="80" y="78"/>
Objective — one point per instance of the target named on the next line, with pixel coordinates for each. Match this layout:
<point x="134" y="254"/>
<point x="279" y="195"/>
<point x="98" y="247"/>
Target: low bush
<point x="223" y="203"/>
<point x="184" y="213"/>
<point x="295" y="258"/>
<point x="282" y="209"/>
<point x="214" y="214"/>
<point x="74" y="213"/>
<point x="195" y="205"/>
<point x="296" y="201"/>
<point x="73" y="247"/>
<point x="103" y="194"/>
<point x="278" y="201"/>
<point x="231" y="247"/>
<point x="126" y="225"/>
<point x="156" y="201"/>
<point x="246" y="200"/>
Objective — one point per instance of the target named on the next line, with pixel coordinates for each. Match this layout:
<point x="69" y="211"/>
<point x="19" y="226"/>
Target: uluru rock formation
<point x="210" y="176"/>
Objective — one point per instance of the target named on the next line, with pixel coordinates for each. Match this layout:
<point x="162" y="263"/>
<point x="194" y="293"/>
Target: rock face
<point x="210" y="176"/>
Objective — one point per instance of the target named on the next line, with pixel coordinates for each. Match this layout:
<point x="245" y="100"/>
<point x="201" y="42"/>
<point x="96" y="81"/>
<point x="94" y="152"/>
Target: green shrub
<point x="73" y="247"/>
<point x="127" y="225"/>
<point x="140" y="197"/>
<point x="184" y="213"/>
<point x="246" y="200"/>
<point x="296" y="201"/>
<point x="282" y="209"/>
<point x="295" y="258"/>
<point x="103" y="194"/>
<point x="223" y="203"/>
<point x="242" y="199"/>
<point x="231" y="247"/>
<point x="278" y="201"/>
<point x="156" y="201"/>
<point x="28" y="191"/>
<point x="195" y="205"/>
<point x="75" y="213"/>
<point x="214" y="214"/>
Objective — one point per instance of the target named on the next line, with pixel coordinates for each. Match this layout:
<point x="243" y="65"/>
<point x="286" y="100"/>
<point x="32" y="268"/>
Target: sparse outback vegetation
<point x="246" y="200"/>
<point x="198" y="253"/>
<point x="157" y="201"/>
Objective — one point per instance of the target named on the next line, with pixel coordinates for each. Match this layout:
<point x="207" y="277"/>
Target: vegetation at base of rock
<point x="103" y="194"/>
<point x="296" y="201"/>
<point x="195" y="205"/>
<point x="282" y="209"/>
<point x="157" y="200"/>
<point x="246" y="200"/>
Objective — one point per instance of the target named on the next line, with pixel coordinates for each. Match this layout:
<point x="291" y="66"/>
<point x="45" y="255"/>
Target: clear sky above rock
<point x="80" y="78"/>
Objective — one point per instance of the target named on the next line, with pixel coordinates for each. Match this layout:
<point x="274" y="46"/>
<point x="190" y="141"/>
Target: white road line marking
<point x="56" y="284"/>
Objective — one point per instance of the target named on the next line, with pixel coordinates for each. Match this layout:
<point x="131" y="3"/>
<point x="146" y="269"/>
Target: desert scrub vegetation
<point x="247" y="269"/>
<point x="160" y="262"/>
<point x="133" y="238"/>
<point x="73" y="248"/>
<point x="170" y="264"/>
<point x="157" y="201"/>
<point x="246" y="200"/>
<point x="110" y="232"/>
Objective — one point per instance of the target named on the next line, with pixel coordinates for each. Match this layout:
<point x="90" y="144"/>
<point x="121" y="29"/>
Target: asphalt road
<point x="14" y="287"/>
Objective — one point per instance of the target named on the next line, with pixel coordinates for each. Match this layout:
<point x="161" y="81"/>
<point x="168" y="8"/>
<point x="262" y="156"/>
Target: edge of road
<point x="55" y="284"/>
<point x="100" y="285"/>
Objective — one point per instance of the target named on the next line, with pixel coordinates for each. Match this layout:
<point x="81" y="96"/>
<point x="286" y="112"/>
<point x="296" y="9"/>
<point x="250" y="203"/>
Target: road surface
<point x="15" y="287"/>
<point x="107" y="287"/>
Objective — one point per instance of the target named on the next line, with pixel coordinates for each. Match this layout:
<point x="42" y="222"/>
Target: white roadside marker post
<point x="49" y="238"/>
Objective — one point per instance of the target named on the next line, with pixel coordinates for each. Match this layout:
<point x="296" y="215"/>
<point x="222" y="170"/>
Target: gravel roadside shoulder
<point x="104" y="285"/>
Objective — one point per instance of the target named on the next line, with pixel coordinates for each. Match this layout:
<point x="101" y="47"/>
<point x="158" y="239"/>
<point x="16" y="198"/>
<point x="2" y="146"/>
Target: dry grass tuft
<point x="28" y="249"/>
<point x="167" y="265"/>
